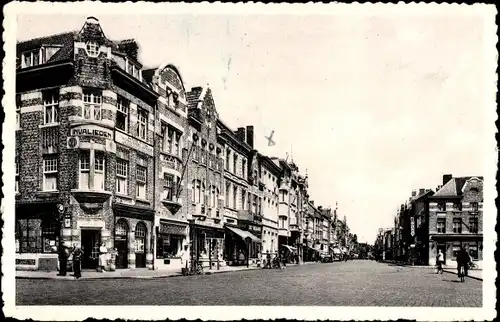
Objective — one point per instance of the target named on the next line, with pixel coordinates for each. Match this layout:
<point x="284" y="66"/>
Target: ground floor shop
<point x="242" y="247"/>
<point x="207" y="247"/>
<point x="451" y="245"/>
<point x="123" y="232"/>
<point x="172" y="244"/>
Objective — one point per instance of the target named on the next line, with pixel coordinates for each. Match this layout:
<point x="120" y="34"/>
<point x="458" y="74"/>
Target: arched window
<point x="140" y="237"/>
<point x="121" y="228"/>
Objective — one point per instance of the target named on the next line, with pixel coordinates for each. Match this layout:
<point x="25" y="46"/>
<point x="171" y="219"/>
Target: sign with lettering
<point x="23" y="261"/>
<point x="134" y="143"/>
<point x="412" y="226"/>
<point x="92" y="130"/>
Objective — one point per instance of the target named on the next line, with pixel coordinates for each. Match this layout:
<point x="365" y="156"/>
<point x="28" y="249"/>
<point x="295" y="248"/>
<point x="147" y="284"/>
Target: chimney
<point x="129" y="47"/>
<point x="421" y="191"/>
<point x="414" y="193"/>
<point x="446" y="178"/>
<point x="250" y="135"/>
<point x="240" y="133"/>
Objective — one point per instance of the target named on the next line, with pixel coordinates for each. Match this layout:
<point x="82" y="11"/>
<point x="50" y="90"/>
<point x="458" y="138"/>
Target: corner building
<point x="84" y="150"/>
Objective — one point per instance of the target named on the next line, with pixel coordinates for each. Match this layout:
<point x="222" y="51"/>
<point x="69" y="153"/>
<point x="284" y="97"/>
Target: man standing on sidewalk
<point x="63" y="259"/>
<point x="77" y="259"/>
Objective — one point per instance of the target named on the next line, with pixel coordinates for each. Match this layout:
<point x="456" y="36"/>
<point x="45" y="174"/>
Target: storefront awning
<point x="243" y="234"/>
<point x="290" y="248"/>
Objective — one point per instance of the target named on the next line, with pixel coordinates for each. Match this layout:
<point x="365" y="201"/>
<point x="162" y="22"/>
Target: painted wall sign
<point x="134" y="143"/>
<point x="92" y="130"/>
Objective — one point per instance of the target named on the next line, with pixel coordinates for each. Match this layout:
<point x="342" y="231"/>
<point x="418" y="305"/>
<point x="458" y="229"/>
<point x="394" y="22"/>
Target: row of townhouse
<point x="110" y="152"/>
<point x="448" y="219"/>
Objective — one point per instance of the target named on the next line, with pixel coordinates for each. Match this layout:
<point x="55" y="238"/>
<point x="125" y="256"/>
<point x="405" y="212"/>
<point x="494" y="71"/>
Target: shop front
<point x="242" y="247"/>
<point x="451" y="245"/>
<point x="208" y="246"/>
<point x="171" y="242"/>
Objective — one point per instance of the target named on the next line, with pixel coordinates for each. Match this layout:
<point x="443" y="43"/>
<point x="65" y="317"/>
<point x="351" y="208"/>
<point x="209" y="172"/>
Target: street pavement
<point x="352" y="283"/>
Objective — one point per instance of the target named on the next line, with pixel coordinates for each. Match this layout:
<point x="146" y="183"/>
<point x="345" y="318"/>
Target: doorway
<point x="121" y="244"/>
<point x="90" y="247"/>
<point x="140" y="245"/>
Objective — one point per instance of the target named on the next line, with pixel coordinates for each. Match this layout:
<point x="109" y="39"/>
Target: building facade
<point x="456" y="219"/>
<point x="270" y="176"/>
<point x="83" y="176"/>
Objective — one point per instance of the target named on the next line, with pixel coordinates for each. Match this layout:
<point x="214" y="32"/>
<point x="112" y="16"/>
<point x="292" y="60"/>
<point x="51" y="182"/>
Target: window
<point x="228" y="190"/>
<point x="235" y="163"/>
<point x="17" y="174"/>
<point x="244" y="168"/>
<point x="172" y="98"/>
<point x="213" y="197"/>
<point x="457" y="225"/>
<point x="92" y="49"/>
<point x="50" y="173"/>
<point x="50" y="107"/>
<point x="475" y="190"/>
<point x="473" y="252"/>
<point x="235" y="197"/>
<point x="169" y="187"/>
<point x="203" y="155"/>
<point x="441" y="225"/>
<point x="140" y="237"/>
<point x="142" y="119"/>
<point x="473" y="225"/>
<point x="121" y="228"/>
<point x="121" y="176"/>
<point x="99" y="171"/>
<point x="474" y="206"/>
<point x="18" y="113"/>
<point x="442" y="206"/>
<point x="31" y="58"/>
<point x="282" y="196"/>
<point x="122" y="108"/>
<point x="457" y="206"/>
<point x="243" y="199"/>
<point x="49" y="236"/>
<point x="92" y="105"/>
<point x="228" y="155"/>
<point x="84" y="170"/>
<point x="281" y="222"/>
<point x="168" y="246"/>
<point x="141" y="182"/>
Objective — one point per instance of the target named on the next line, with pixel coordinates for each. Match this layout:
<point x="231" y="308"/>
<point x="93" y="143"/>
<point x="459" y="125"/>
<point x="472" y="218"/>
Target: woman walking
<point x="440" y="262"/>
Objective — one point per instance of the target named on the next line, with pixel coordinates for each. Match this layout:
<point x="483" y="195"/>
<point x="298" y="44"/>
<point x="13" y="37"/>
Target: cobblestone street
<point x="355" y="283"/>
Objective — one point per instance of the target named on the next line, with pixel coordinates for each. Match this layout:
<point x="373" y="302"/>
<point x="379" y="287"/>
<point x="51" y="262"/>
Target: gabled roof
<point x="194" y="96"/>
<point x="453" y="188"/>
<point x="62" y="40"/>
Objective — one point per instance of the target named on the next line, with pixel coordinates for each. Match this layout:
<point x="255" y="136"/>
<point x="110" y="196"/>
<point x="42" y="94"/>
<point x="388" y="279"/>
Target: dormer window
<point x="132" y="69"/>
<point x="31" y="58"/>
<point x="172" y="98"/>
<point x="92" y="49"/>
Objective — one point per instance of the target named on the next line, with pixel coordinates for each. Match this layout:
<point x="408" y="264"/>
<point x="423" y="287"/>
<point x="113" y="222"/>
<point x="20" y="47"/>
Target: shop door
<point x="90" y="248"/>
<point x="140" y="245"/>
<point x="121" y="244"/>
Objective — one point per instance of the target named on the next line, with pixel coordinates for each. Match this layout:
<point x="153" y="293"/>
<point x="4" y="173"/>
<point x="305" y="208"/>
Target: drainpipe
<point x="155" y="176"/>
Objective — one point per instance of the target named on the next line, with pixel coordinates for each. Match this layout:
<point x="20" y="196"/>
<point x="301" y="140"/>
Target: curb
<point x="472" y="277"/>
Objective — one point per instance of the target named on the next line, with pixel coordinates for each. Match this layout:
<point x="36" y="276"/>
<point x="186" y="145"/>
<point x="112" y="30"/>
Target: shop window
<point x="30" y="237"/>
<point x="99" y="171"/>
<point x="140" y="237"/>
<point x="168" y="246"/>
<point x="122" y="114"/>
<point x="122" y="176"/>
<point x="142" y="121"/>
<point x="141" y="181"/>
<point x="50" y="173"/>
<point x="92" y="105"/>
<point x="473" y="225"/>
<point x="456" y="249"/>
<point x="441" y="225"/>
<point x="50" y="107"/>
<point x="84" y="181"/>
<point x="473" y="252"/>
<point x="50" y="232"/>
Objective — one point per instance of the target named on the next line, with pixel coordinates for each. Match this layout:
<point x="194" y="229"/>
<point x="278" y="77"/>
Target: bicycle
<point x="472" y="265"/>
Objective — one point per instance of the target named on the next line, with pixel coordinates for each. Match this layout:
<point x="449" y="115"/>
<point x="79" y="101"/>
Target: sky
<point x="371" y="106"/>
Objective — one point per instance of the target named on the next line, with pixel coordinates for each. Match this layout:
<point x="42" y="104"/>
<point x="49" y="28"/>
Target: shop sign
<point x="23" y="261"/>
<point x="92" y="130"/>
<point x="134" y="143"/>
<point x="412" y="226"/>
<point x="253" y="228"/>
<point x="169" y="229"/>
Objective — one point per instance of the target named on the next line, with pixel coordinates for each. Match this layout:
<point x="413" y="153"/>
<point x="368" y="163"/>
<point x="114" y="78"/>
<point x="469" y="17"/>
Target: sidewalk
<point x="476" y="274"/>
<point x="140" y="273"/>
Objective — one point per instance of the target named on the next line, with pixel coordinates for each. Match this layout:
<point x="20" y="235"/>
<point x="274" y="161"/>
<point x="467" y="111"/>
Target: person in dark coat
<point x="463" y="260"/>
<point x="63" y="259"/>
<point x="77" y="260"/>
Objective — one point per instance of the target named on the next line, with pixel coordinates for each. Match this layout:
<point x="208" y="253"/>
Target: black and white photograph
<point x="249" y="161"/>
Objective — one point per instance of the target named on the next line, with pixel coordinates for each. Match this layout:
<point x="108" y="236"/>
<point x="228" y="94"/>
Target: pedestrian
<point x="440" y="262"/>
<point x="102" y="257"/>
<point x="77" y="260"/>
<point x="268" y="261"/>
<point x="463" y="260"/>
<point x="185" y="257"/>
<point x="259" y="258"/>
<point x="63" y="259"/>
